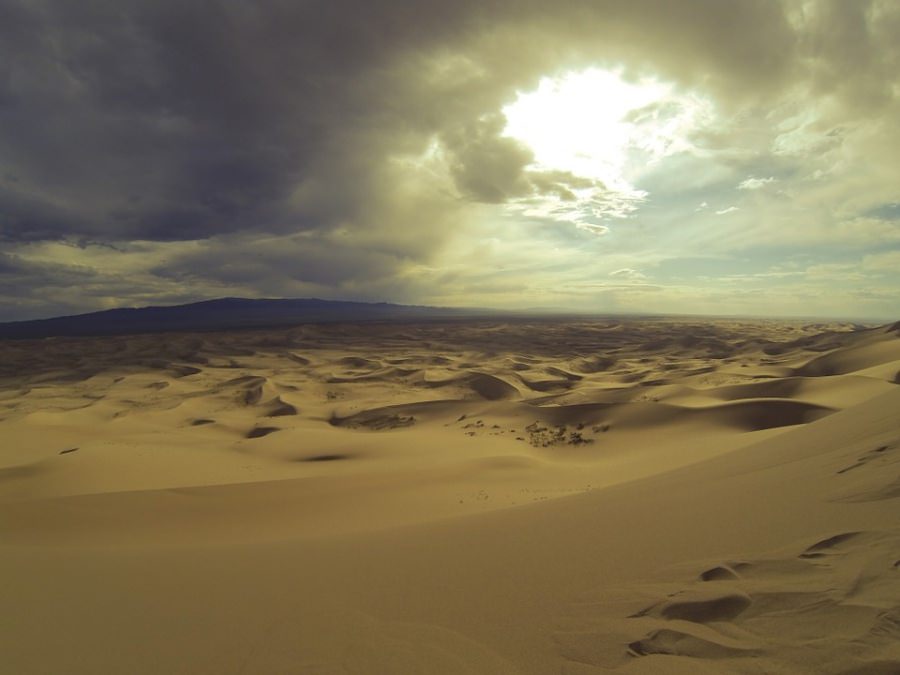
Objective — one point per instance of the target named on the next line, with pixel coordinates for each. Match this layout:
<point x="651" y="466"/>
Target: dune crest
<point x="480" y="496"/>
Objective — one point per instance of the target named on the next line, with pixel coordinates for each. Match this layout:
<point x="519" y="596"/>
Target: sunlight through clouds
<point x="597" y="124"/>
<point x="421" y="151"/>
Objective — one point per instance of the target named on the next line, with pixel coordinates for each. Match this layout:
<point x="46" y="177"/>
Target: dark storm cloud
<point x="25" y="217"/>
<point x="26" y="286"/>
<point x="184" y="120"/>
<point x="20" y="276"/>
<point x="853" y="50"/>
<point x="289" y="136"/>
<point x="488" y="167"/>
<point x="241" y="260"/>
<point x="32" y="289"/>
<point x="9" y="264"/>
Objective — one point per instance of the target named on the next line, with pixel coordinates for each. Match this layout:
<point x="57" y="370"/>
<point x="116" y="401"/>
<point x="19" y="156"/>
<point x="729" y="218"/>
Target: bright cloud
<point x="628" y="273"/>
<point x="742" y="154"/>
<point x="599" y="125"/>
<point x="755" y="183"/>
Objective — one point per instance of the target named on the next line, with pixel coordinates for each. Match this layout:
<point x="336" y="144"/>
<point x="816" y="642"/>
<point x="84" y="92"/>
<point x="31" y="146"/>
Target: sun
<point x="596" y="123"/>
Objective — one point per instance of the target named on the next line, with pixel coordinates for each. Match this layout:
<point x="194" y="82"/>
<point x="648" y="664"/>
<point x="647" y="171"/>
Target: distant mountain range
<point x="222" y="314"/>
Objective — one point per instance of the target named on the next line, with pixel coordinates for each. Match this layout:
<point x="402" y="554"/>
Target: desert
<point x="485" y="495"/>
<point x="467" y="337"/>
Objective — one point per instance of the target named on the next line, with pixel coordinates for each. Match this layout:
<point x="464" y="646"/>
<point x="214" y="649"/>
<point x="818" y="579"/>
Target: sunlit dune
<point x="342" y="337"/>
<point x="454" y="496"/>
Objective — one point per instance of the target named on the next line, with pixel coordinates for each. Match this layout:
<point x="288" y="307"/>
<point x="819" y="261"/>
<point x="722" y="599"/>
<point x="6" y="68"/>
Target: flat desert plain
<point x="460" y="497"/>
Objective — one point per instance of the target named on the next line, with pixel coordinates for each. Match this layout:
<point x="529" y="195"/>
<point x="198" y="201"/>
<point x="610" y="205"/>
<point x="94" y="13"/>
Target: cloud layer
<point x="168" y="151"/>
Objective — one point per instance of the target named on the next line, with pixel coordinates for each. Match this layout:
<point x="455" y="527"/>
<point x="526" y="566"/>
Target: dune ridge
<point x="479" y="496"/>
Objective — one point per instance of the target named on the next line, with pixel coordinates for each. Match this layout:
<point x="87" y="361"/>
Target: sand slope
<point x="468" y="497"/>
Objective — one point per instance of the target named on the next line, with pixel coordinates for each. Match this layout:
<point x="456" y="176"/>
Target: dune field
<point x="484" y="496"/>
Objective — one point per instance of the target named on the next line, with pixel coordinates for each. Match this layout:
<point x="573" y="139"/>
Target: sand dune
<point x="454" y="497"/>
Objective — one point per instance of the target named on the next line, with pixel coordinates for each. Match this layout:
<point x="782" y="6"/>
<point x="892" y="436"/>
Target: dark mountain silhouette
<point x="221" y="314"/>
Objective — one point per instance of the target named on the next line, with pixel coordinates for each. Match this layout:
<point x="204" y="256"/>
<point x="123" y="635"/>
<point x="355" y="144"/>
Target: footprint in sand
<point x="866" y="458"/>
<point x="776" y="609"/>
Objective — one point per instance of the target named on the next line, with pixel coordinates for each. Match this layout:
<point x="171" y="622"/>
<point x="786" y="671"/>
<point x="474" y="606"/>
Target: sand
<point x="635" y="496"/>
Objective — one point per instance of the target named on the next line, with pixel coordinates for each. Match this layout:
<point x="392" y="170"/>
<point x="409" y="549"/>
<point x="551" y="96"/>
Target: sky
<point x="689" y="156"/>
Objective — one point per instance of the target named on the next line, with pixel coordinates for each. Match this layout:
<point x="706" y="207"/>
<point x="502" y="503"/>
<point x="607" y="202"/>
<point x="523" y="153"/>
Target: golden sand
<point x="637" y="496"/>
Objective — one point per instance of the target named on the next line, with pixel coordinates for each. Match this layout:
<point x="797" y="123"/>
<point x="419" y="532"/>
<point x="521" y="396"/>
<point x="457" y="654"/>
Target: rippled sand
<point x="454" y="497"/>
